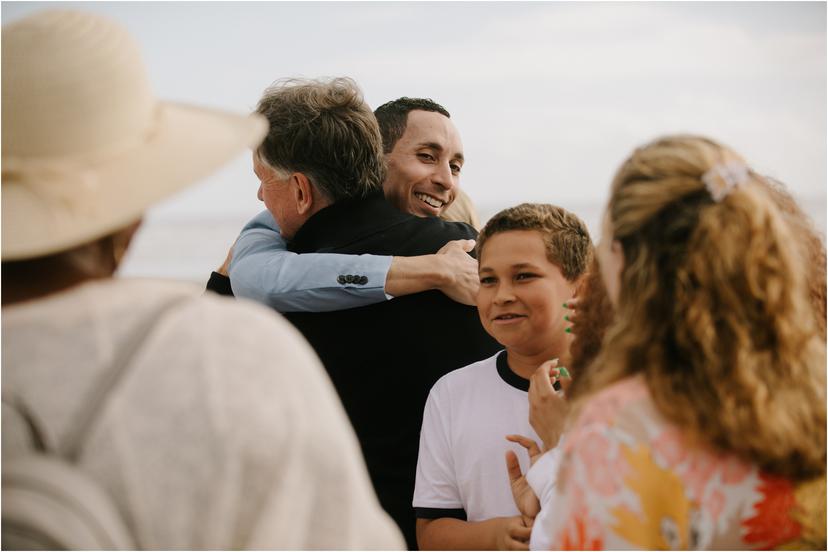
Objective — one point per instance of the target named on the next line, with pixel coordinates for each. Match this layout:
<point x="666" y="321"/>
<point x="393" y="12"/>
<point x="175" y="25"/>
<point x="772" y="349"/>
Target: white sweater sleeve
<point x="543" y="477"/>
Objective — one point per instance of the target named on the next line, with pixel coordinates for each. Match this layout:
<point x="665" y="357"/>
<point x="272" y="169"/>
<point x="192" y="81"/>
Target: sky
<point x="549" y="97"/>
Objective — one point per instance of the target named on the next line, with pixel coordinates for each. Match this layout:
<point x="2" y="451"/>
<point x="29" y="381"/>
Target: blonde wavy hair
<point x="713" y="310"/>
<point x="462" y="210"/>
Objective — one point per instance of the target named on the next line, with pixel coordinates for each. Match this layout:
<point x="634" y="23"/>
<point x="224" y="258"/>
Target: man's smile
<point x="430" y="200"/>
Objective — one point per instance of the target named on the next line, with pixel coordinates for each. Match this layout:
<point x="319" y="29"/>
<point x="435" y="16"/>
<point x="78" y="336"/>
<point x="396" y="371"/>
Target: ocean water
<point x="184" y="248"/>
<point x="189" y="249"/>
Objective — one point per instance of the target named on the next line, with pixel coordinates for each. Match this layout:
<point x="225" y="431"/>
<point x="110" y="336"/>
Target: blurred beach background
<point x="549" y="97"/>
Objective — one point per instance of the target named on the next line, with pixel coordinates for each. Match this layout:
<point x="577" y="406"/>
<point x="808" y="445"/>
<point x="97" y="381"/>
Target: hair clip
<point x="723" y="178"/>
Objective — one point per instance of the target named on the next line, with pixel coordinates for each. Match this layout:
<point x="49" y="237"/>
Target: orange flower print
<point x="576" y="536"/>
<point x="772" y="525"/>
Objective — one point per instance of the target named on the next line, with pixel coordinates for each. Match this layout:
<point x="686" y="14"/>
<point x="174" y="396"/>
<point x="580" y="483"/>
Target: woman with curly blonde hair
<point x="703" y="422"/>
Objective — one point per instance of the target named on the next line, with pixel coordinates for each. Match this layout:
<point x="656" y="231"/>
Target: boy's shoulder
<point x="467" y="376"/>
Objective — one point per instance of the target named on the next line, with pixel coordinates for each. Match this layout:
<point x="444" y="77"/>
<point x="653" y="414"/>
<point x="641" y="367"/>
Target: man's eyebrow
<point x="432" y="145"/>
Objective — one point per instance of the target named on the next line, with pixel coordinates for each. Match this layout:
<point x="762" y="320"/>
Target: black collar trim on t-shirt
<point x="508" y="376"/>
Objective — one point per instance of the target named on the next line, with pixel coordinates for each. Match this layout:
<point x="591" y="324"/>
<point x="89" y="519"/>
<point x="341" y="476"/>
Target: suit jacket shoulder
<point x="372" y="225"/>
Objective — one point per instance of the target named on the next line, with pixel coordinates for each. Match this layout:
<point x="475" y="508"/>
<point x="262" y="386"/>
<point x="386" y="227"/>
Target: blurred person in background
<point x="701" y="423"/>
<point x="209" y="424"/>
<point x="462" y="210"/>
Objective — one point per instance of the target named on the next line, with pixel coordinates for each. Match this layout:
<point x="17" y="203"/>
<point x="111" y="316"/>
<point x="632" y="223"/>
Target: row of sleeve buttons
<point x="352" y="279"/>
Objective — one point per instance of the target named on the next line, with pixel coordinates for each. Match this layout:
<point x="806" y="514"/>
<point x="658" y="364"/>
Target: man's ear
<point x="303" y="193"/>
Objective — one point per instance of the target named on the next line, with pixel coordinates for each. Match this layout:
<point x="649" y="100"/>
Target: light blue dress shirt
<point x="264" y="270"/>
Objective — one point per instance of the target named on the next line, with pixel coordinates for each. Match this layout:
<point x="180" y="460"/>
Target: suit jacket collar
<point x="346" y="221"/>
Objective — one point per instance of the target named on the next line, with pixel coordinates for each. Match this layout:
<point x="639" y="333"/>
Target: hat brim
<point x="188" y="144"/>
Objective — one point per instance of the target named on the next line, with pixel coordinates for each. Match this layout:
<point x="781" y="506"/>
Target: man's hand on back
<point x="462" y="280"/>
<point x="451" y="270"/>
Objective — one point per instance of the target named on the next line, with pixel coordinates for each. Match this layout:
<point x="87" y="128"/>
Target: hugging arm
<point x="264" y="270"/>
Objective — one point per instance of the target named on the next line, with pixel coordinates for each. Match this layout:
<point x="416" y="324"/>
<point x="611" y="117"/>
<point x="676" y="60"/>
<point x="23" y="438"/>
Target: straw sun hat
<point x="86" y="146"/>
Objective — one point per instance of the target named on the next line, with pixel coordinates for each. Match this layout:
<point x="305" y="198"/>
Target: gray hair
<point x="324" y="129"/>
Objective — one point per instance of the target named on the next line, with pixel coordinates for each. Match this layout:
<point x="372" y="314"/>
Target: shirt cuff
<point x="383" y="266"/>
<point x="220" y="284"/>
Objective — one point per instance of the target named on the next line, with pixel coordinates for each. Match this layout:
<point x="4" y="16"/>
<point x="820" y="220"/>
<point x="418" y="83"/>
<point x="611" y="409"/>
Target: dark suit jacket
<point x="384" y="358"/>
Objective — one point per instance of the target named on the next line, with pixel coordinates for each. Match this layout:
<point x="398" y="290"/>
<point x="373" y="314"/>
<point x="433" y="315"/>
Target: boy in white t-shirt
<point x="531" y="260"/>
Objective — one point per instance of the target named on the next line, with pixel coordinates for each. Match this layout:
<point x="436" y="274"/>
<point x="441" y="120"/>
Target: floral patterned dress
<point x="628" y="479"/>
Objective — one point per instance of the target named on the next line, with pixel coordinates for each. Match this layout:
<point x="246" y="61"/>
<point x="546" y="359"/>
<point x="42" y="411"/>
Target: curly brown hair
<point x="713" y="310"/>
<point x="565" y="236"/>
<point x="810" y="243"/>
<point x="589" y="324"/>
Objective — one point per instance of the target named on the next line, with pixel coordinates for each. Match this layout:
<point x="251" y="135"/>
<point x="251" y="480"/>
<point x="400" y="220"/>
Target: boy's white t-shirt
<point x="461" y="468"/>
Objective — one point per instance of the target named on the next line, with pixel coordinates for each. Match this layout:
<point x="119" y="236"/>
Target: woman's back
<point x="630" y="479"/>
<point x="702" y="422"/>
<point x="209" y="439"/>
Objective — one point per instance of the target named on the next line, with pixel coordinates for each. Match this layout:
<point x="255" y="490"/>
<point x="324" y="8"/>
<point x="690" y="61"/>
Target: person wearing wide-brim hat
<point x="208" y="423"/>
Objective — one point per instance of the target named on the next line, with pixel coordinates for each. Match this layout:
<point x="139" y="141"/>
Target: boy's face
<point x="521" y="295"/>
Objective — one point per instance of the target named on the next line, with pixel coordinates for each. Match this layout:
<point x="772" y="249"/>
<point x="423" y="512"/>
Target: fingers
<point x="528" y="521"/>
<point x="517" y="545"/>
<point x="463" y="245"/>
<point x="466" y="245"/>
<point x="572" y="314"/>
<point x="529" y="444"/>
<point x="225" y="266"/>
<point x="519" y="531"/>
<point x="518" y="535"/>
<point x="513" y="466"/>
<point x="547" y="375"/>
<point x="542" y="380"/>
<point x="572" y="304"/>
